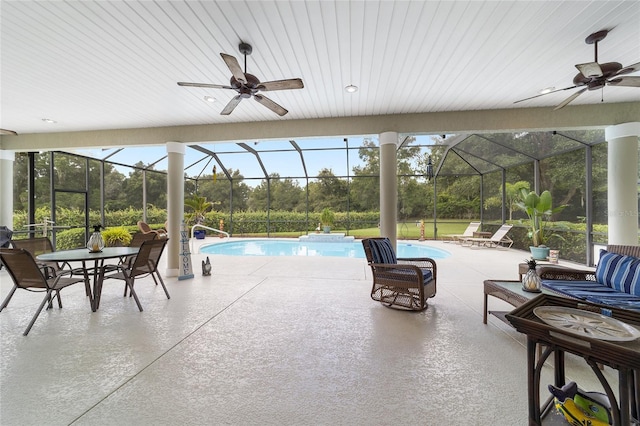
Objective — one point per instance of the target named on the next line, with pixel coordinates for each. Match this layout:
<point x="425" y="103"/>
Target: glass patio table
<point x="84" y="255"/>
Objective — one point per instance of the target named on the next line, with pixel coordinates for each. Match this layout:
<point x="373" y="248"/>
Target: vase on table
<point x="531" y="280"/>
<point x="96" y="242"/>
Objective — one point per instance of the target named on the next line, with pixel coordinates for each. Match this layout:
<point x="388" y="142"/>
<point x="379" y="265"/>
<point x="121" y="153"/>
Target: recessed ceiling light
<point x="49" y="120"/>
<point x="209" y="99"/>
<point x="351" y="88"/>
<point x="547" y="90"/>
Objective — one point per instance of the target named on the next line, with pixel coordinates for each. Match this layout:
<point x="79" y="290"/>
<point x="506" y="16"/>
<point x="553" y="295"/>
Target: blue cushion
<point x="382" y="251"/>
<point x="593" y="291"/>
<point x="619" y="272"/>
<point x="427" y="274"/>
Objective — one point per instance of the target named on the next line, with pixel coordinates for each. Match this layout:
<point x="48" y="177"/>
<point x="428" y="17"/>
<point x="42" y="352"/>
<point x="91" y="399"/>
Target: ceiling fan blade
<point x="234" y="67"/>
<point x="207" y="85"/>
<point x="233" y="103"/>
<point x="270" y="104"/>
<point x="548" y="93"/>
<point x="8" y="132"/>
<point x="625" y="81"/>
<point x="293" y="83"/>
<point x="569" y="99"/>
<point x="630" y="69"/>
<point x="590" y="69"/>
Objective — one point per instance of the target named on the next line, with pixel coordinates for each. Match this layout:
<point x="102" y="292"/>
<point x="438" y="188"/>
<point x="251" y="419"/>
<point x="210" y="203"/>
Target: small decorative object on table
<point x="531" y="281"/>
<point x="96" y="242"/>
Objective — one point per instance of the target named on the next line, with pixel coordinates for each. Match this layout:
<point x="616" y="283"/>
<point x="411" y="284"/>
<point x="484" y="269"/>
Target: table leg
<point x="534" y="393"/>
<point x="98" y="274"/>
<point x="484" y="316"/>
<point x="92" y="299"/>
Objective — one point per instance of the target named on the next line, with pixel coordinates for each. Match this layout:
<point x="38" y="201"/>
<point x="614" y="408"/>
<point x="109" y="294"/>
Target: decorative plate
<point x="587" y="324"/>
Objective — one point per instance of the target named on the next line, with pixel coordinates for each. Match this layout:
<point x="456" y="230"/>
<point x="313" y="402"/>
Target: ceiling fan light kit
<point x="595" y="75"/>
<point x="248" y="85"/>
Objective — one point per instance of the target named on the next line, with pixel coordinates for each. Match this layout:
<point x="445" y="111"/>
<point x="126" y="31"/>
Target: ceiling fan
<point x="248" y="85"/>
<point x="593" y="75"/>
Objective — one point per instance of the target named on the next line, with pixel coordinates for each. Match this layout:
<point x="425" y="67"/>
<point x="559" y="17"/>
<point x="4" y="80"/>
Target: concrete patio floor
<point x="272" y="341"/>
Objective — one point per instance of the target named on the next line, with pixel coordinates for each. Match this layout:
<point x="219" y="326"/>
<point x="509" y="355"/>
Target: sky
<point x="278" y="156"/>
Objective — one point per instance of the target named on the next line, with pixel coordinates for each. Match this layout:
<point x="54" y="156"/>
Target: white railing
<point x="193" y="228"/>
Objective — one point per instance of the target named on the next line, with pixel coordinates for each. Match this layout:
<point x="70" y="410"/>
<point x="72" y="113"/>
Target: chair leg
<point x="132" y="292"/>
<point x="8" y="298"/>
<point x="47" y="297"/>
<point x="163" y="286"/>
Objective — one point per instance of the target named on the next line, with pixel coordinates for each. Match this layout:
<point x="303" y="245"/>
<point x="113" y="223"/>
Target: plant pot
<point x="199" y="234"/>
<point x="539" y="253"/>
<point x="326" y="229"/>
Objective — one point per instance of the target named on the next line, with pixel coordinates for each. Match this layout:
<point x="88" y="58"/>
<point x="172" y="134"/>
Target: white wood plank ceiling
<point x="93" y="65"/>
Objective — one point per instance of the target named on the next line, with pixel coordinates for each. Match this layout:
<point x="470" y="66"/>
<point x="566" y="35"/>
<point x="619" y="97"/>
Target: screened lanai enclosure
<point x="279" y="187"/>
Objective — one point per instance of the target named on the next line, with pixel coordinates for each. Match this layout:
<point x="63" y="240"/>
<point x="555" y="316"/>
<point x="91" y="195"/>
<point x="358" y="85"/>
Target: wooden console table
<point x="623" y="356"/>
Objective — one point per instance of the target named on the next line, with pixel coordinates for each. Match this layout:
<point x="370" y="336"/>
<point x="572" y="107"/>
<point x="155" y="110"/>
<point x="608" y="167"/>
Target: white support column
<point x="6" y="187"/>
<point x="622" y="183"/>
<point x="175" y="205"/>
<point x="389" y="186"/>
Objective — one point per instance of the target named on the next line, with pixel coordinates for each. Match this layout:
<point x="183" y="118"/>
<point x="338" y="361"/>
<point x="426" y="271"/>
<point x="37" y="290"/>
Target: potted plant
<point x="327" y="218"/>
<point x="116" y="237"/>
<point x="199" y="206"/>
<point x="539" y="210"/>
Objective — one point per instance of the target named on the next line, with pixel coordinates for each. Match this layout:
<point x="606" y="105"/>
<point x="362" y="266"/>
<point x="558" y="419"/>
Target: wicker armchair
<point x="403" y="283"/>
<point x="552" y="272"/>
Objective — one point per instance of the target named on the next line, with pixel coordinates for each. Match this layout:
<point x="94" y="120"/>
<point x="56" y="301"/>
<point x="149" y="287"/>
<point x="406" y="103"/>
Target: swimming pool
<point x="313" y="248"/>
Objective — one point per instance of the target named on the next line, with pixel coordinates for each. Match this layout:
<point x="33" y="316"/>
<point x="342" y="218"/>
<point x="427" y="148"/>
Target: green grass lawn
<point x="406" y="230"/>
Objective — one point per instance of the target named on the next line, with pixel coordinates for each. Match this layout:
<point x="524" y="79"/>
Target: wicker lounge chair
<point x="404" y="283"/>
<point x="28" y="275"/>
<point x="499" y="239"/>
<point x="471" y="228"/>
<point x="146" y="229"/>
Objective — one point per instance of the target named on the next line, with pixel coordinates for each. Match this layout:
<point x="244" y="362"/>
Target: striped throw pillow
<point x="622" y="273"/>
<point x="382" y="251"/>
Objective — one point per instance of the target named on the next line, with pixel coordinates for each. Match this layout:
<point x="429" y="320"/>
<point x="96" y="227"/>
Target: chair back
<point x="471" y="228"/>
<point x="379" y="250"/>
<point x="141" y="237"/>
<point x="147" y="259"/>
<point x="36" y="246"/>
<point x="501" y="233"/>
<point x="23" y="268"/>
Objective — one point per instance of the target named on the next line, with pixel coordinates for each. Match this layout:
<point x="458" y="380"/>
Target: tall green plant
<point x="199" y="206"/>
<point x="539" y="209"/>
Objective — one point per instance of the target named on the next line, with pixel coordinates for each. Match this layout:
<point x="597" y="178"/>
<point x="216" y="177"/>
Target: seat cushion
<point x="593" y="291"/>
<point x="382" y="251"/>
<point x="620" y="272"/>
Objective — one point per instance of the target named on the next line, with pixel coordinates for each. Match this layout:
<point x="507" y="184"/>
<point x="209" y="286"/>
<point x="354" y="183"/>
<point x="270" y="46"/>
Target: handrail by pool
<point x="205" y="227"/>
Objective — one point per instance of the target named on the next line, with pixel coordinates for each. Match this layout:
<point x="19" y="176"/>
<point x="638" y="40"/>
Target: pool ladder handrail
<point x="193" y="228"/>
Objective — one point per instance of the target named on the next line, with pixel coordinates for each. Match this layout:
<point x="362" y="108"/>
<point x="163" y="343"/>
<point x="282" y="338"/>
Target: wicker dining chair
<point x="403" y="283"/>
<point x="28" y="275"/>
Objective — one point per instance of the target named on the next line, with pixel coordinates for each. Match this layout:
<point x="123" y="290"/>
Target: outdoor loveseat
<point x="615" y="282"/>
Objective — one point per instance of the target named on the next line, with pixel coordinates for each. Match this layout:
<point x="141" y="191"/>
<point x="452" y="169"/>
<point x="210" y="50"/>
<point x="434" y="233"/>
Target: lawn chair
<point x="499" y="239"/>
<point x="404" y="283"/>
<point x="28" y="275"/>
<point x="471" y="228"/>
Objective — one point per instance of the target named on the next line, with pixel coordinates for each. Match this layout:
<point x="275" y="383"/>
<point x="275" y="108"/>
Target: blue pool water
<point x="313" y="248"/>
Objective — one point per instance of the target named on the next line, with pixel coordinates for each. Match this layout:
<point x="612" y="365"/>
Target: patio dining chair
<point x="27" y="274"/>
<point x="402" y="283"/>
<point x="498" y="239"/>
<point x="143" y="264"/>
<point x="41" y="245"/>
